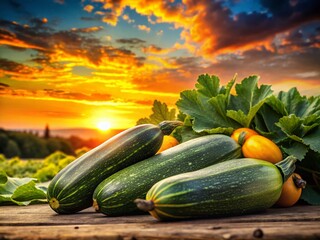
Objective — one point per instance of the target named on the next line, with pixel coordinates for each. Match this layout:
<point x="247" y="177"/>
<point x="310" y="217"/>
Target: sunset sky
<point x="77" y="64"/>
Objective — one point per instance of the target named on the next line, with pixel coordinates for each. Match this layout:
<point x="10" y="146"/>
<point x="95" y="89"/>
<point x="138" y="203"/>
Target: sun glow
<point x="103" y="125"/>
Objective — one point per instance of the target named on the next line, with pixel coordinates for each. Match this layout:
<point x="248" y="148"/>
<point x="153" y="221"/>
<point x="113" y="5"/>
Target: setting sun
<point x="103" y="126"/>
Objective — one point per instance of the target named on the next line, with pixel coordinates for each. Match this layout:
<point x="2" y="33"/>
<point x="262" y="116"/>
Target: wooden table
<point x="40" y="222"/>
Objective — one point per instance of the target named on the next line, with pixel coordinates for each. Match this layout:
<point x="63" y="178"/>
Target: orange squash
<point x="291" y="191"/>
<point x="168" y="142"/>
<point x="243" y="132"/>
<point x="260" y="147"/>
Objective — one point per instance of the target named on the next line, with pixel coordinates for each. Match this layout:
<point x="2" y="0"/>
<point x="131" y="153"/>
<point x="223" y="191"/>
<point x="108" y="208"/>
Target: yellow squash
<point x="243" y="132"/>
<point x="168" y="142"/>
<point x="260" y="147"/>
<point x="291" y="191"/>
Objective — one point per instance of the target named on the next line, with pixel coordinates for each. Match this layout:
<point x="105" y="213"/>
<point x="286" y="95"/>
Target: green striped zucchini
<point x="233" y="187"/>
<point x="115" y="196"/>
<point x="167" y="127"/>
<point x="71" y="189"/>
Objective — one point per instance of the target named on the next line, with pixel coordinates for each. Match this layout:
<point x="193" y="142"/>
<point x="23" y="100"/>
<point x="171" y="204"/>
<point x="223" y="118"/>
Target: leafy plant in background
<point x="213" y="109"/>
<point x="41" y="169"/>
<point x="23" y="182"/>
<point x="293" y="122"/>
<point x="20" y="191"/>
<point x="160" y="112"/>
<point x="289" y="119"/>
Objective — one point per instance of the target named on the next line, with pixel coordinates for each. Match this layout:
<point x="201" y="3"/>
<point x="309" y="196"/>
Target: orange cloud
<point x="10" y="39"/>
<point x="155" y="49"/>
<point x="88" y="8"/>
<point x="88" y="29"/>
<point x="163" y="10"/>
<point x="127" y="18"/>
<point x="209" y="28"/>
<point x="144" y="28"/>
<point x="58" y="95"/>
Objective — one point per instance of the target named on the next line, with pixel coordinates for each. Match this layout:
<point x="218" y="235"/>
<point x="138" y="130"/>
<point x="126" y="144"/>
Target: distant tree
<point x="34" y="147"/>
<point x="66" y="147"/>
<point x="59" y="144"/>
<point x="3" y="141"/>
<point x="46" y="132"/>
<point x="26" y="144"/>
<point x="12" y="149"/>
<point x="76" y="142"/>
<point x="53" y="144"/>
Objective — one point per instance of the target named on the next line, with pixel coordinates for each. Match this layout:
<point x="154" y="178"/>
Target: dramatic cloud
<point x="166" y="11"/>
<point x="56" y="94"/>
<point x="213" y="28"/>
<point x="77" y="95"/>
<point x="64" y="44"/>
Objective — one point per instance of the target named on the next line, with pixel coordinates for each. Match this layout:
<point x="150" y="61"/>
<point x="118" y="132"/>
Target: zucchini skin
<point x="116" y="194"/>
<point x="234" y="187"/>
<point x="167" y="127"/>
<point x="71" y="189"/>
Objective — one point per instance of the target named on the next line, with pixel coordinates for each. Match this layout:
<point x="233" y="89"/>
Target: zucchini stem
<point x="287" y="167"/>
<point x="242" y="138"/>
<point x="144" y="205"/>
<point x="299" y="182"/>
<point x="54" y="203"/>
<point x="95" y="205"/>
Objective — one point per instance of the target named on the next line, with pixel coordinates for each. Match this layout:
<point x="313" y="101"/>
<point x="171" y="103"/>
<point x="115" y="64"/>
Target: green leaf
<point x="28" y="192"/>
<point x="277" y="105"/>
<point x="309" y="169"/>
<point x="185" y="133"/>
<point x="208" y="86"/>
<point x="311" y="195"/>
<point x="299" y="105"/>
<point x="20" y="191"/>
<point x="295" y="128"/>
<point x="296" y="149"/>
<point x="264" y="123"/>
<point x="313" y="140"/>
<point x="207" y="105"/>
<point x="290" y="125"/>
<point x="160" y="112"/>
<point x="249" y="99"/>
<point x="3" y="177"/>
<point x="191" y="104"/>
<point x="311" y="120"/>
<point x="181" y="116"/>
<point x="238" y="116"/>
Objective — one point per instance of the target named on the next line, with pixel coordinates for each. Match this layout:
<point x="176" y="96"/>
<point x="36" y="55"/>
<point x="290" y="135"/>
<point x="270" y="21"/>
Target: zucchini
<point x="71" y="189"/>
<point x="233" y="187"/>
<point x="167" y="126"/>
<point x="116" y="194"/>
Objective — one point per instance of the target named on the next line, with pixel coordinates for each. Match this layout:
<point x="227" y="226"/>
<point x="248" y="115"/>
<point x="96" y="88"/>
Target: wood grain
<point x="40" y="222"/>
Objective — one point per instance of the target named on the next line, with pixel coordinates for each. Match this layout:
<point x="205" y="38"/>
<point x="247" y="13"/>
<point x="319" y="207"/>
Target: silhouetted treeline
<point x="31" y="145"/>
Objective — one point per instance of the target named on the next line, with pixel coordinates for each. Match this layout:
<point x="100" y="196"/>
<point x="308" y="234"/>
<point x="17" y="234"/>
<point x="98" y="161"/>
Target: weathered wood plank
<point x="40" y="222"/>
<point x="43" y="215"/>
<point x="190" y="230"/>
